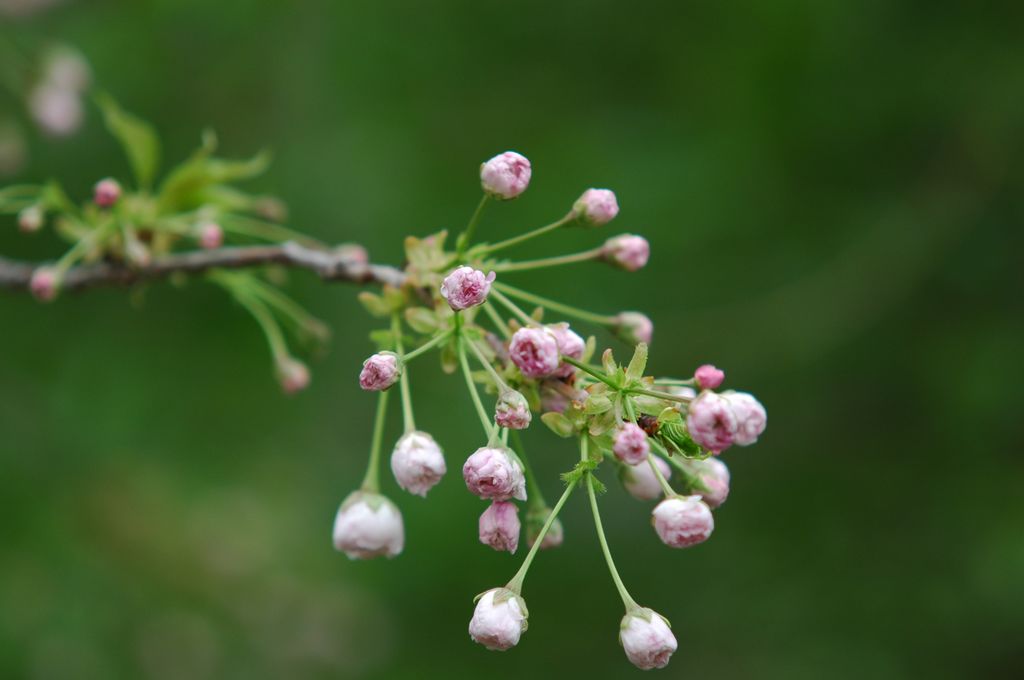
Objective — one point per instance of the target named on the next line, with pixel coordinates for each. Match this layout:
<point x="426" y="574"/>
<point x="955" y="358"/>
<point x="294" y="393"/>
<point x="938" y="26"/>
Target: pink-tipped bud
<point x="631" y="445"/>
<point x="368" y="525"/>
<point x="292" y="374"/>
<point x="535" y="520"/>
<point x="711" y="421"/>
<point x="493" y="474"/>
<point x="683" y="521"/>
<point x="506" y="175"/>
<point x="512" y="411"/>
<point x="714" y="475"/>
<point x="466" y="287"/>
<point x="556" y="395"/>
<point x="353" y="252"/>
<point x="44" y="284"/>
<point x="708" y="377"/>
<point x="210" y="235"/>
<point x="30" y="220"/>
<point x="627" y="252"/>
<point x="633" y="327"/>
<point x="647" y="639"/>
<point x="418" y="463"/>
<point x="641" y="482"/>
<point x="499" y="619"/>
<point x="569" y="344"/>
<point x="499" y="526"/>
<point x="534" y="351"/>
<point x="106" y="193"/>
<point x="380" y="371"/>
<point x="596" y="207"/>
<point x="751" y="418"/>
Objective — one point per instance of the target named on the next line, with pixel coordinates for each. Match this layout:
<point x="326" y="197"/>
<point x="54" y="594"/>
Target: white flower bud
<point x="499" y="619"/>
<point x="418" y="463"/>
<point x="647" y="639"/>
<point x="368" y="525"/>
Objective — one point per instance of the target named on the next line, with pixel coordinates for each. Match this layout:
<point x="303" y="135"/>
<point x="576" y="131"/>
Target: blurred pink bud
<point x="466" y="287"/>
<point x="634" y="327"/>
<point x="506" y="175"/>
<point x="512" y="410"/>
<point x="31" y="219"/>
<point x="380" y="371"/>
<point x="714" y="475"/>
<point x="493" y="474"/>
<point x="640" y="481"/>
<point x="56" y="110"/>
<point x="631" y="445"/>
<point x="683" y="521"/>
<point x="751" y="417"/>
<point x="499" y="619"/>
<point x="106" y="192"/>
<point x="708" y="377"/>
<point x="44" y="284"/>
<point x="535" y="520"/>
<point x="596" y="207"/>
<point x="353" y="252"/>
<point x="499" y="526"/>
<point x="627" y="252"/>
<point x="292" y="374"/>
<point x="368" y="525"/>
<point x="711" y="421"/>
<point x="417" y="463"/>
<point x="646" y="639"/>
<point x="210" y="235"/>
<point x="534" y="351"/>
<point x="556" y="395"/>
<point x="569" y="344"/>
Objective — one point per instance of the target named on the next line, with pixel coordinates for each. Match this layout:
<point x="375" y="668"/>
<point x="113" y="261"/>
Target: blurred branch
<point x="339" y="265"/>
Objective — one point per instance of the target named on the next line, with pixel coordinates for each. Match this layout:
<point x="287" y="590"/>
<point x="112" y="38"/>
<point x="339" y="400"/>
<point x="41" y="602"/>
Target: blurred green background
<point x="833" y="194"/>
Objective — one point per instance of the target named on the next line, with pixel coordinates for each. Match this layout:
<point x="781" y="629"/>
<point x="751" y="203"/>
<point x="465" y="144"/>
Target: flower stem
<point x="498" y="381"/>
<point x="535" y="498"/>
<point x="554" y="305"/>
<point x="501" y="245"/>
<point x="430" y="344"/>
<point x="489" y="428"/>
<point x="661" y="395"/>
<point x="371" y="482"/>
<point x="590" y="371"/>
<point x="513" y="307"/>
<point x="496" y="319"/>
<point x="526" y="265"/>
<point x="516" y="584"/>
<point x="407" y="417"/>
<point x="665" y="486"/>
<point x="467" y="235"/>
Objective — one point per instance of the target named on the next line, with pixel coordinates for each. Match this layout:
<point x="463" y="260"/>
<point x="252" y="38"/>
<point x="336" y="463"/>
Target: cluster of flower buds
<point x="657" y="432"/>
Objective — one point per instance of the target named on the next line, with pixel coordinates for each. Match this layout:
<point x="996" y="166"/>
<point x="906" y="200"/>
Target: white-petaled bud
<point x="499" y="526"/>
<point x="493" y="473"/>
<point x="683" y="521"/>
<point x="368" y="525"/>
<point x="714" y="475"/>
<point x="506" y="175"/>
<point x="380" y="371"/>
<point x="417" y="463"/>
<point x="647" y="639"/>
<point x="751" y="418"/>
<point x="641" y="482"/>
<point x="627" y="251"/>
<point x="466" y="287"/>
<point x="512" y="410"/>
<point x="570" y="344"/>
<point x="499" y="619"/>
<point x="634" y="327"/>
<point x="534" y="351"/>
<point x="631" y="445"/>
<point x="596" y="207"/>
<point x="30" y="220"/>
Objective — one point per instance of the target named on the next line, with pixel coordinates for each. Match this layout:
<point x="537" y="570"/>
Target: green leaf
<point x="558" y="424"/>
<point x="602" y="423"/>
<point x="421" y="320"/>
<point x="597" y="403"/>
<point x="384" y="339"/>
<point x="638" y="364"/>
<point x="374" y="304"/>
<point x="137" y="137"/>
<point x="186" y="184"/>
<point x="608" y="361"/>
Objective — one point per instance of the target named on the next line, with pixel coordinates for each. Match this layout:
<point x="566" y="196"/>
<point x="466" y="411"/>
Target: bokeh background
<point x="833" y="194"/>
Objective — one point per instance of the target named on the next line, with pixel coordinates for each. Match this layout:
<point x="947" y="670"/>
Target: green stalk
<point x="554" y="305"/>
<point x="407" y="417"/>
<point x="371" y="482"/>
<point x="501" y="245"/>
<point x="541" y="263"/>
<point x="516" y="584"/>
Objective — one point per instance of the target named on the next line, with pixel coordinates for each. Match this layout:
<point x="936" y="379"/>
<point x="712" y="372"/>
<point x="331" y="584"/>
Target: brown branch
<point x="337" y="265"/>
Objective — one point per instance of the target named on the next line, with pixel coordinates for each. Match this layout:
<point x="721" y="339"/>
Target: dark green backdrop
<point x="832" y="191"/>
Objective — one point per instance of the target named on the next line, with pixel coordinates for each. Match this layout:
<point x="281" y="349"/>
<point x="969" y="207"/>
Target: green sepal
<point x="580" y="470"/>
<point x="597" y="403"/>
<point x="374" y="304"/>
<point x="608" y="361"/>
<point x="638" y="364"/>
<point x="602" y="423"/>
<point x="421" y="320"/>
<point x="558" y="424"/>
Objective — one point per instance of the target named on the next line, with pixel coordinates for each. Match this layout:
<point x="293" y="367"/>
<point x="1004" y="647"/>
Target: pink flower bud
<point x="498" y="620"/>
<point x="368" y="525"/>
<point x="417" y="462"/>
<point x="751" y="418"/>
<point x="106" y="192"/>
<point x="634" y="327"/>
<point x="506" y="175"/>
<point x="708" y="377"/>
<point x="535" y="522"/>
<point x="499" y="526"/>
<point x="640" y="481"/>
<point x="647" y="639"/>
<point x="631" y="445"/>
<point x="292" y="374"/>
<point x="512" y="410"/>
<point x="31" y="219"/>
<point x="210" y="235"/>
<point x="683" y="521"/>
<point x="380" y="371"/>
<point x="353" y="252"/>
<point x="534" y="351"/>
<point x="493" y="474"/>
<point x="569" y="344"/>
<point x="57" y="111"/>
<point x="44" y="284"/>
<point x="711" y="421"/>
<point x="714" y="475"/>
<point x="556" y="395"/>
<point x="627" y="252"/>
<point x="466" y="287"/>
<point x="596" y="207"/>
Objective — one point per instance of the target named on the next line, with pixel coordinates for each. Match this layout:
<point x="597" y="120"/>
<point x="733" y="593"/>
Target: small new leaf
<point x="558" y="424"/>
<point x="637" y="364"/>
<point x="581" y="469"/>
<point x="137" y="137"/>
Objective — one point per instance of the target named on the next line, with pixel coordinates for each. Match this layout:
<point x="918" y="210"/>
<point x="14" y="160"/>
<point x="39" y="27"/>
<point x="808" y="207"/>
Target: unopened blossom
<point x="751" y="418"/>
<point x="353" y="252"/>
<point x="596" y="207"/>
<point x="535" y="520"/>
<point x="633" y="327"/>
<point x="380" y="371"/>
<point x="506" y="175"/>
<point x="714" y="476"/>
<point x="31" y="219"/>
<point x="631" y="445"/>
<point x="683" y="521"/>
<point x="466" y="287"/>
<point x="210" y="235"/>
<point x="641" y="482"/>
<point x="570" y="344"/>
<point x="708" y="377"/>
<point x="499" y="619"/>
<point x="512" y="410"/>
<point x="534" y="351"/>
<point x="556" y="395"/>
<point x="56" y="110"/>
<point x="44" y="284"/>
<point x="368" y="525"/>
<point x="647" y="639"/>
<point x="106" y="192"/>
<point x="627" y="252"/>
<point x="711" y="421"/>
<point x="417" y="462"/>
<point x="492" y="473"/>
<point x="499" y="526"/>
<point x="292" y="374"/>
<point x="67" y="69"/>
